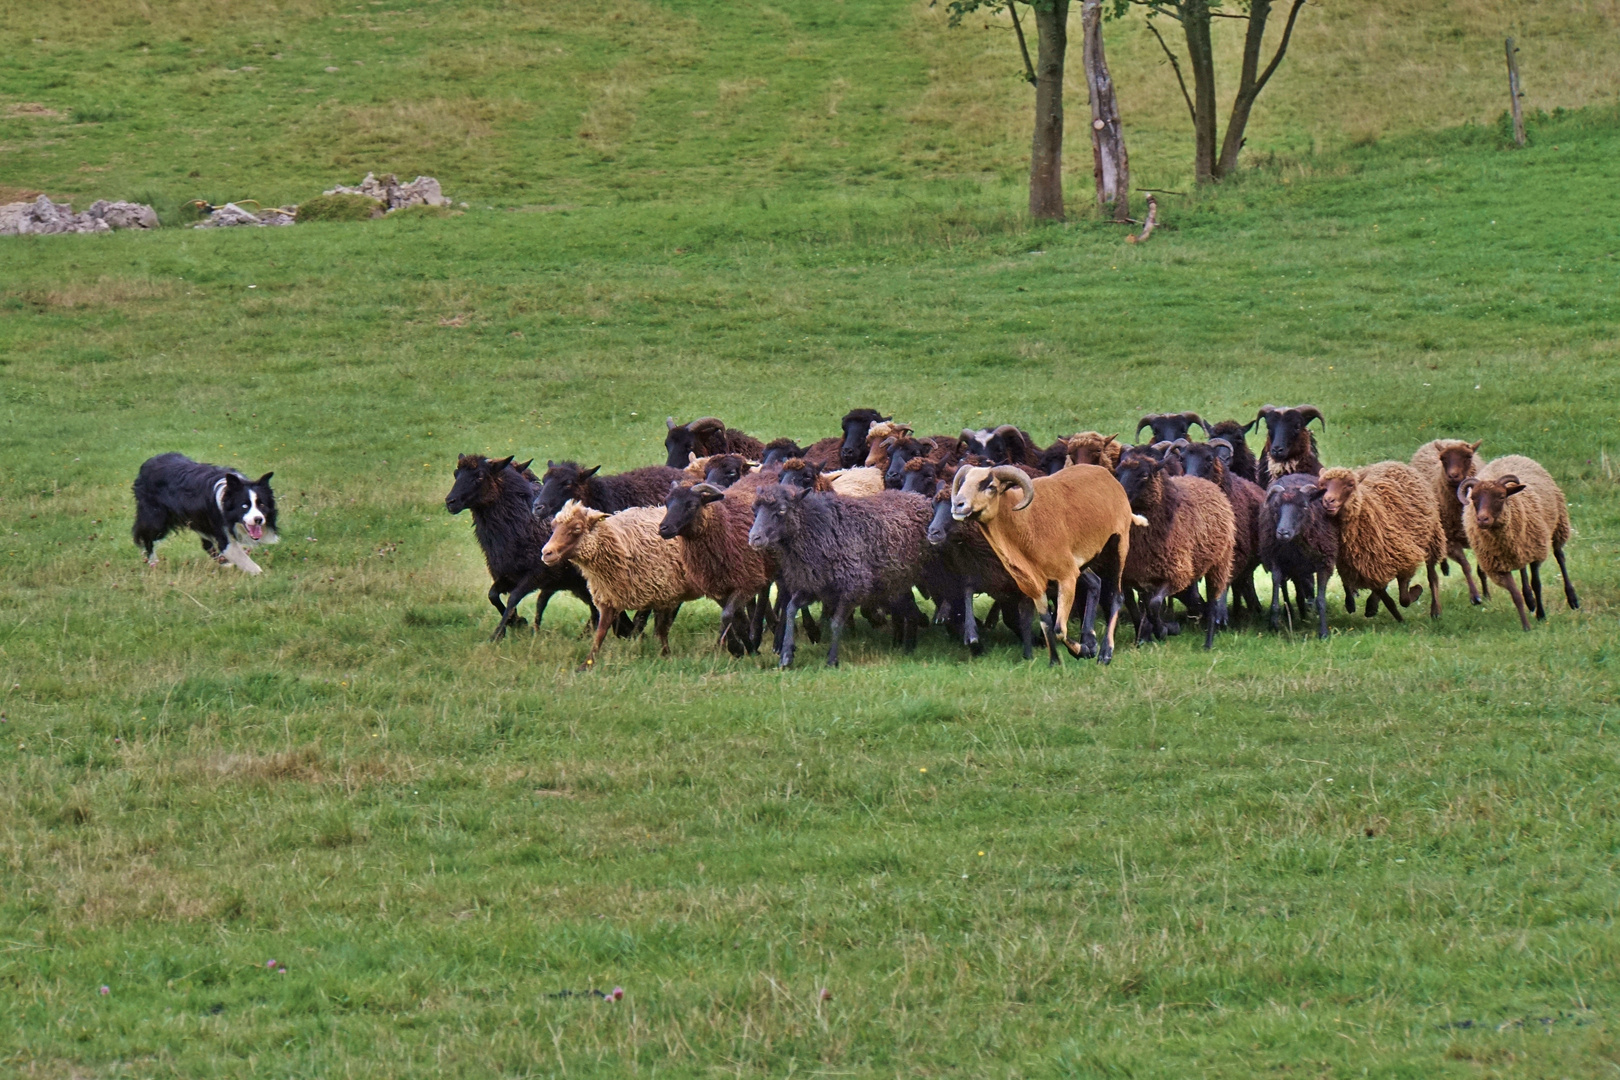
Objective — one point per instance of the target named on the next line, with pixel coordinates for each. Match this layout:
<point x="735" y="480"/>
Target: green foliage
<point x="340" y="207"/>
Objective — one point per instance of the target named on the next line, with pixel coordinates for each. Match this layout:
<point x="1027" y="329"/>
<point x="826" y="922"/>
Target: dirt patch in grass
<point x="105" y="291"/>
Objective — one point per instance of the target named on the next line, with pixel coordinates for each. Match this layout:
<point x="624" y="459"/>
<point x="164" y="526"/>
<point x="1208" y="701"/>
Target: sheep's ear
<point x="588" y="473"/>
<point x="1315" y="493"/>
<point x="497" y="466"/>
<point x="1474" y="449"/>
<point x="1511" y="483"/>
<point x="521" y="468"/>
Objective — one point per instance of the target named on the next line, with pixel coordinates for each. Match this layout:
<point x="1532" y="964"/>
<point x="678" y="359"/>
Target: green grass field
<point x="1388" y="854"/>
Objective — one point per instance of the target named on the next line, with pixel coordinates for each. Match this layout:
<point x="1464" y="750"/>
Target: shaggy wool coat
<point x="1531" y="523"/>
<point x="1389" y="527"/>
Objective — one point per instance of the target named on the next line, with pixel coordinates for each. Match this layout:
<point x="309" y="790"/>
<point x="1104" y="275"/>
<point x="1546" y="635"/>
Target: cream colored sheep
<point x="1513" y="512"/>
<point x="626" y="564"/>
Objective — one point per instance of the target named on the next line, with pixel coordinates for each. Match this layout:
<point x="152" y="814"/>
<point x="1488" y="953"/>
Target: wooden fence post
<point x="1513" y="89"/>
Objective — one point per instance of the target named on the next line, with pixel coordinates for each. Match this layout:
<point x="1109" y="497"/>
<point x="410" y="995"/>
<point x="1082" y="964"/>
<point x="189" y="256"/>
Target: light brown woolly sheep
<point x="1095" y="448"/>
<point x="1446" y="463"/>
<point x="1389" y="526"/>
<point x="627" y="565"/>
<point x="877" y="435"/>
<point x="1513" y="512"/>
<point x="1188" y="536"/>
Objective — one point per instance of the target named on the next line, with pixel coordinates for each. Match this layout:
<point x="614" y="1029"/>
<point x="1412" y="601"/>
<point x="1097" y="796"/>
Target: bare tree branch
<point x="1282" y="47"/>
<point x="1174" y="63"/>
<point x="1018" y="28"/>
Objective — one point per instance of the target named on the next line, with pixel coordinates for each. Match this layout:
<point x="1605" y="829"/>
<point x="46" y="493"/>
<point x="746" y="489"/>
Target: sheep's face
<point x="563" y="480"/>
<point x="904" y="452"/>
<point x="1054" y="459"/>
<point x="477" y="482"/>
<point x="683" y="505"/>
<point x="1090" y="448"/>
<point x="571" y="525"/>
<point x="1168" y="427"/>
<point x="726" y="469"/>
<point x="772" y="515"/>
<point x="779" y="451"/>
<point x="1141" y="475"/>
<point x="1489" y="499"/>
<point x="681" y="440"/>
<point x="977" y="494"/>
<point x="1457" y="461"/>
<point x="799" y="473"/>
<point x="920" y="477"/>
<point x="857" y="423"/>
<point x="1291" y="508"/>
<point x="1285" y="429"/>
<point x="1336" y="493"/>
<point x="941" y="524"/>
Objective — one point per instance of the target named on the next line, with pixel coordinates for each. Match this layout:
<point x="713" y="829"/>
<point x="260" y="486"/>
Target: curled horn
<point x="1466" y="488"/>
<point x="1223" y="449"/>
<point x="670" y="423"/>
<point x="705" y="491"/>
<point x="1311" y="412"/>
<point x="1266" y="413"/>
<point x="1194" y="418"/>
<point x="706" y="424"/>
<point x="956" y="480"/>
<point x="1016" y="476"/>
<point x="1146" y="421"/>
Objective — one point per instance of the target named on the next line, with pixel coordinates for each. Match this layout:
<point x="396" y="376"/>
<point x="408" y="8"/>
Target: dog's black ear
<point x="265" y="479"/>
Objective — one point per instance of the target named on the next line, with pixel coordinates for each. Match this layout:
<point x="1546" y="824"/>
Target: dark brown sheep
<point x="565" y="480"/>
<point x="712" y="528"/>
<point x="1446" y="463"/>
<point x="1188" y="537"/>
<point x="1243" y="462"/>
<point x="706" y="436"/>
<point x="1212" y="461"/>
<point x="1168" y="427"/>
<point x="1298" y="546"/>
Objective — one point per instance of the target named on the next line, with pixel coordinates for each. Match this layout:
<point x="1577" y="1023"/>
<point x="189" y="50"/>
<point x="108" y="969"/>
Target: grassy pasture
<point x="1392" y="853"/>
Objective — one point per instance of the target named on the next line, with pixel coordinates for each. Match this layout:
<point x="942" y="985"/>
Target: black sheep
<point x="704" y="437"/>
<point x="1168" y="427"/>
<point x="565" y="480"/>
<point x="1298" y="544"/>
<point x="967" y="557"/>
<point x="499" y="496"/>
<point x="844" y="552"/>
<point x="1243" y="463"/>
<point x="1290" y="446"/>
<point x="779" y="450"/>
<point x="857" y="422"/>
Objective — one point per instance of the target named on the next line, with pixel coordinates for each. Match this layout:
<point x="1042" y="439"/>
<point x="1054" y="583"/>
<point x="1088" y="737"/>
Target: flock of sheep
<point x="866" y="520"/>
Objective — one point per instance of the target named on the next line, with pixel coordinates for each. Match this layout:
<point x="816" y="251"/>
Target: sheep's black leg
<point x="997" y="612"/>
<point x="1133" y="611"/>
<point x="905" y="610"/>
<point x="1024" y="618"/>
<point x="1303" y="594"/>
<point x="662" y="620"/>
<point x="873" y="615"/>
<point x="496" y="598"/>
<point x="1524" y="581"/>
<point x="1434" y="594"/>
<point x="1535" y="585"/>
<point x="1506" y="581"/>
<point x="1349" y="600"/>
<point x="756" y="626"/>
<point x="1382" y="593"/>
<point x="522" y="589"/>
<point x="1155" y="611"/>
<point x="970" y="629"/>
<point x="1563" y="571"/>
<point x="1092" y="584"/>
<point x="1112" y="599"/>
<point x="1251" y="598"/>
<point x="812" y="629"/>
<point x="540" y="606"/>
<point x="1276" y="592"/>
<point x="1372" y="603"/>
<point x="1407" y="591"/>
<point x="1049" y="628"/>
<point x="785" y="641"/>
<point x="734" y="624"/>
<point x="1216" y="616"/>
<point x="639" y="627"/>
<point x="840" y="616"/>
<point x="1321" y="601"/>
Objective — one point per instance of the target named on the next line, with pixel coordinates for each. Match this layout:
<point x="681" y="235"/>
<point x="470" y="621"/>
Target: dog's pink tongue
<point x="255" y="530"/>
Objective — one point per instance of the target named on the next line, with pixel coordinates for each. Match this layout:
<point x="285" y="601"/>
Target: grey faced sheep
<point x="1168" y="427"/>
<point x="1052" y="528"/>
<point x="967" y="556"/>
<point x="779" y="450"/>
<point x="564" y="480"/>
<point x="626" y="564"/>
<point x="1212" y="461"/>
<point x="706" y="436"/>
<point x="1290" y="446"/>
<point x="1514" y="513"/>
<point x="1243" y="463"/>
<point x="1187" y="537"/>
<point x="499" y="494"/>
<point x="711" y="528"/>
<point x="1389" y="527"/>
<point x="1446" y="463"/>
<point x="1298" y="545"/>
<point x="844" y="552"/>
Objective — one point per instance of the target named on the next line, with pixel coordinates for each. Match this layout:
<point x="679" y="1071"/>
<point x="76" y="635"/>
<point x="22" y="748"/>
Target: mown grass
<point x="1391" y="854"/>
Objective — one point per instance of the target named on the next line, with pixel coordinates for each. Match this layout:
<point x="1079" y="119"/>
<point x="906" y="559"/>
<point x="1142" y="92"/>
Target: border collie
<point x="229" y="511"/>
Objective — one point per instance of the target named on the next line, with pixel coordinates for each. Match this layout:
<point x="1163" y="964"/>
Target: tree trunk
<point x="1110" y="164"/>
<point x="1046" y="151"/>
<point x="1195" y="20"/>
<point x="1248" y="90"/>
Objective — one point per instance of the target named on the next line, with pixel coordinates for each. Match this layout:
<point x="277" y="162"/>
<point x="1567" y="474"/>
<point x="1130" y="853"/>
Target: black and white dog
<point x="231" y="512"/>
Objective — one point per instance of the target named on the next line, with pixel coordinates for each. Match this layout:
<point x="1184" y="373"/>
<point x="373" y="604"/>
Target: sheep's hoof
<point x="1411" y="598"/>
<point x="1171" y="628"/>
<point x="1476" y="600"/>
<point x="976" y="647"/>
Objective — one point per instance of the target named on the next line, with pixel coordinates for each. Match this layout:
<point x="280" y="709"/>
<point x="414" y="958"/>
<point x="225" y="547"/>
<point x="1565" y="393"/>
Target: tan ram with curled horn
<point x="1052" y="528"/>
